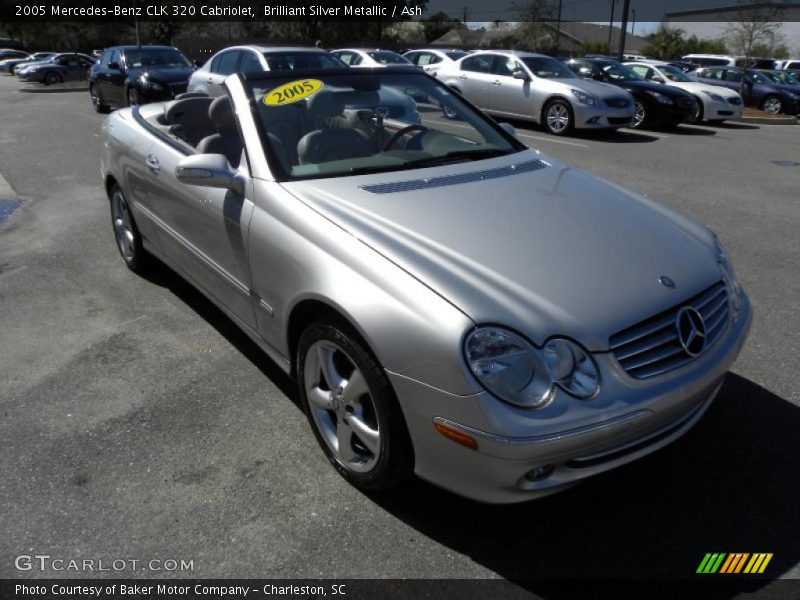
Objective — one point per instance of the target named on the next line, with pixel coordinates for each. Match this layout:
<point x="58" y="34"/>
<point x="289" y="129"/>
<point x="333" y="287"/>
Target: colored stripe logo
<point x="736" y="562"/>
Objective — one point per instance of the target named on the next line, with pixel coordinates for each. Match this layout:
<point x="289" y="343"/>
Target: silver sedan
<point x="523" y="85"/>
<point x="450" y="302"/>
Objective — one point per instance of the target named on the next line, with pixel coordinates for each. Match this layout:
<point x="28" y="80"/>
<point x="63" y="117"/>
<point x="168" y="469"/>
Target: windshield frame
<point x="248" y="79"/>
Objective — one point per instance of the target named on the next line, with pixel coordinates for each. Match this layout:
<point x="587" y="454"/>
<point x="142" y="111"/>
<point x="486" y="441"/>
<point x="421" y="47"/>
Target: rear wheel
<point x="98" y="105"/>
<point x="352" y="408"/>
<point x="772" y="105"/>
<point x="53" y="78"/>
<point x="558" y="118"/>
<point x="129" y="240"/>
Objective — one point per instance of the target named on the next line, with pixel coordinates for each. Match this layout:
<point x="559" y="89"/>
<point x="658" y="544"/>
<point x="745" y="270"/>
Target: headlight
<point x="584" y="98"/>
<point x="793" y="96"/>
<point x="519" y="373"/>
<point x="729" y="277"/>
<point x="571" y="368"/>
<point x="660" y="97"/>
<point x="713" y="96"/>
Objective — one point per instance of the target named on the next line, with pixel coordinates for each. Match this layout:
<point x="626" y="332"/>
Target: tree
<point x="437" y="25"/>
<point x="667" y="43"/>
<point x="698" y="46"/>
<point x="536" y="29"/>
<point x="755" y="25"/>
<point x="595" y="48"/>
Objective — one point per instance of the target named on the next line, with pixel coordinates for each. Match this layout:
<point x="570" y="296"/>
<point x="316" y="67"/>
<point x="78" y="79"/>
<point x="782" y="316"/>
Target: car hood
<point x="544" y="248"/>
<point x="164" y="74"/>
<point x="595" y="88"/>
<point x="645" y="86"/>
<point x="696" y="87"/>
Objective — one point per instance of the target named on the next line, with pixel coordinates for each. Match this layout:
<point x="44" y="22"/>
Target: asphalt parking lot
<point x="138" y="422"/>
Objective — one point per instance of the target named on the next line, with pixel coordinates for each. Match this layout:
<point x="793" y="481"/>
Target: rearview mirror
<point x="520" y="74"/>
<point x="209" y="170"/>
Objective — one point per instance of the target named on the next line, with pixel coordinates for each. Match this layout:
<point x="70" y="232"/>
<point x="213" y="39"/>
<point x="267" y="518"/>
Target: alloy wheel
<point x="123" y="226"/>
<point x="773" y="105"/>
<point x="640" y="115"/>
<point x="342" y="406"/>
<point x="557" y="118"/>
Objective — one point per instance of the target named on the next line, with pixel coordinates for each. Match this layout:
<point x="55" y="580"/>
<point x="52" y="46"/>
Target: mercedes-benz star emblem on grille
<point x="666" y="282"/>
<point x="691" y="330"/>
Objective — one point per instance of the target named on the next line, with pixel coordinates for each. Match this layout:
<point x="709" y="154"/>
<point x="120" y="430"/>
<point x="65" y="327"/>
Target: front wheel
<point x="52" y="78"/>
<point x="352" y="408"/>
<point x="133" y="97"/>
<point x="640" y="115"/>
<point x="558" y="118"/>
<point x="96" y="102"/>
<point x="697" y="116"/>
<point x="772" y="105"/>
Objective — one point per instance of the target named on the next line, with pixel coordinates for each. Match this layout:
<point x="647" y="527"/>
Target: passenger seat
<point x="227" y="141"/>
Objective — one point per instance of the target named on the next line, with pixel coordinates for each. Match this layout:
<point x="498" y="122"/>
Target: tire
<point x="132" y="96"/>
<point x="557" y="117"/>
<point x="641" y="115"/>
<point x="126" y="233"/>
<point x="448" y="112"/>
<point x="52" y="78"/>
<point x="698" y="115"/>
<point x="772" y="105"/>
<point x="98" y="105"/>
<point x="332" y="358"/>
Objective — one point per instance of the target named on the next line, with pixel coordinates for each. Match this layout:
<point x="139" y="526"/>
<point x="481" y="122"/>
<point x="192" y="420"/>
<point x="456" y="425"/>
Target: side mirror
<point x="209" y="170"/>
<point x="509" y="129"/>
<point x="658" y="80"/>
<point x="520" y="74"/>
<point x="198" y="63"/>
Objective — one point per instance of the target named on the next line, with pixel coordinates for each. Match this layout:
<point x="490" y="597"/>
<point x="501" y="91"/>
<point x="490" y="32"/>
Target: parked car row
<point x="51" y="68"/>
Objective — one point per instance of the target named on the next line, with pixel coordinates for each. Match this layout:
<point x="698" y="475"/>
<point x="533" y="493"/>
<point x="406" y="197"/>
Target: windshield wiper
<point x="432" y="161"/>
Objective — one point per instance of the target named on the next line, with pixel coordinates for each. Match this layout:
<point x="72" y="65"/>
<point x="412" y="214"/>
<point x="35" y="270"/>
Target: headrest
<point x="187" y="111"/>
<point x="325" y="104"/>
<point x="185" y="95"/>
<point x="221" y="114"/>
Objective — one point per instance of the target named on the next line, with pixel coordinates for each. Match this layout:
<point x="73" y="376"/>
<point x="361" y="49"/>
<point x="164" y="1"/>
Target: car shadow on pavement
<point x="161" y="275"/>
<point x="729" y="485"/>
<point x="691" y="130"/>
<point x="730" y="125"/>
<point x="54" y="89"/>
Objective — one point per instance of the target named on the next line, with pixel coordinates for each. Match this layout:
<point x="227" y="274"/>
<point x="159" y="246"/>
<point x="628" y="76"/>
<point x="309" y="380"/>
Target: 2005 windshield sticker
<point x="294" y="91"/>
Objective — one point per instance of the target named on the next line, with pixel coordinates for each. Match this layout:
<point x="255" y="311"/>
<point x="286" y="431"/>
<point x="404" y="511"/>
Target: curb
<point x="769" y="121"/>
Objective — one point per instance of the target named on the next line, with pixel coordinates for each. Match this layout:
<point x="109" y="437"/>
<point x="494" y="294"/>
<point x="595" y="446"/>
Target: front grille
<point x="618" y="102"/>
<point x="652" y="347"/>
<point x="735" y="101"/>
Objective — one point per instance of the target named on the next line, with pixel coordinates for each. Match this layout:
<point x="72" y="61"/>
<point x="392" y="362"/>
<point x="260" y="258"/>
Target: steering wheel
<point x="401" y="132"/>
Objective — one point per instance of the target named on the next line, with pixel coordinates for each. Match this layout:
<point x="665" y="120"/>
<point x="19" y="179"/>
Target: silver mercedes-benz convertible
<point x="451" y="303"/>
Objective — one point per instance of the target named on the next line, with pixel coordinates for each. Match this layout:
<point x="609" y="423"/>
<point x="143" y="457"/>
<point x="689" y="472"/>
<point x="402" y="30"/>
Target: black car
<point x="131" y="75"/>
<point x="656" y="105"/>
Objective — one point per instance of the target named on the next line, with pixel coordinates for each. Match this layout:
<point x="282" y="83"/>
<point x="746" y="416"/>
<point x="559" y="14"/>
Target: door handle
<point x="152" y="163"/>
<point x="210" y="80"/>
<point x="496" y="82"/>
<point x="462" y="77"/>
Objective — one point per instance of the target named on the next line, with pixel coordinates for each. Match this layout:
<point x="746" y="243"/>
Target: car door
<point x="224" y="64"/>
<point x="508" y="95"/>
<point x="203" y="231"/>
<point x="116" y="79"/>
<point x="475" y="77"/>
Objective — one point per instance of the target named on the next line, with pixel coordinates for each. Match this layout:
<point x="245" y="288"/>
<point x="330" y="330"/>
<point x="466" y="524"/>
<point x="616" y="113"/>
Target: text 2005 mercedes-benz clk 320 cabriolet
<point x="451" y="303"/>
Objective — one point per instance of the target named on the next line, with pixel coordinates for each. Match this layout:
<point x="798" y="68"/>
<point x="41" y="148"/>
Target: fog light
<point x="539" y="473"/>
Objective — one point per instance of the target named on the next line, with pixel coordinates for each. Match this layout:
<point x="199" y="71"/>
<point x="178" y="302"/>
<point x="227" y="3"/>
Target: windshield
<point x="548" y="68"/>
<point x="675" y="74"/>
<point x="155" y="57"/>
<point x="351" y="123"/>
<point x="287" y="61"/>
<point x="617" y="72"/>
<point x="389" y="58"/>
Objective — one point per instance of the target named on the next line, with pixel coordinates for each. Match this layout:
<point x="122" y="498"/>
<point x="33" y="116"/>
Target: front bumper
<point x="718" y="111"/>
<point x="574" y="439"/>
<point x="602" y="117"/>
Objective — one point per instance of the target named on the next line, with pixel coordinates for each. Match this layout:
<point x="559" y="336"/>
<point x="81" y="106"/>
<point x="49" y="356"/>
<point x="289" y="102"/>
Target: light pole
<point x="611" y="25"/>
<point x="626" y="5"/>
